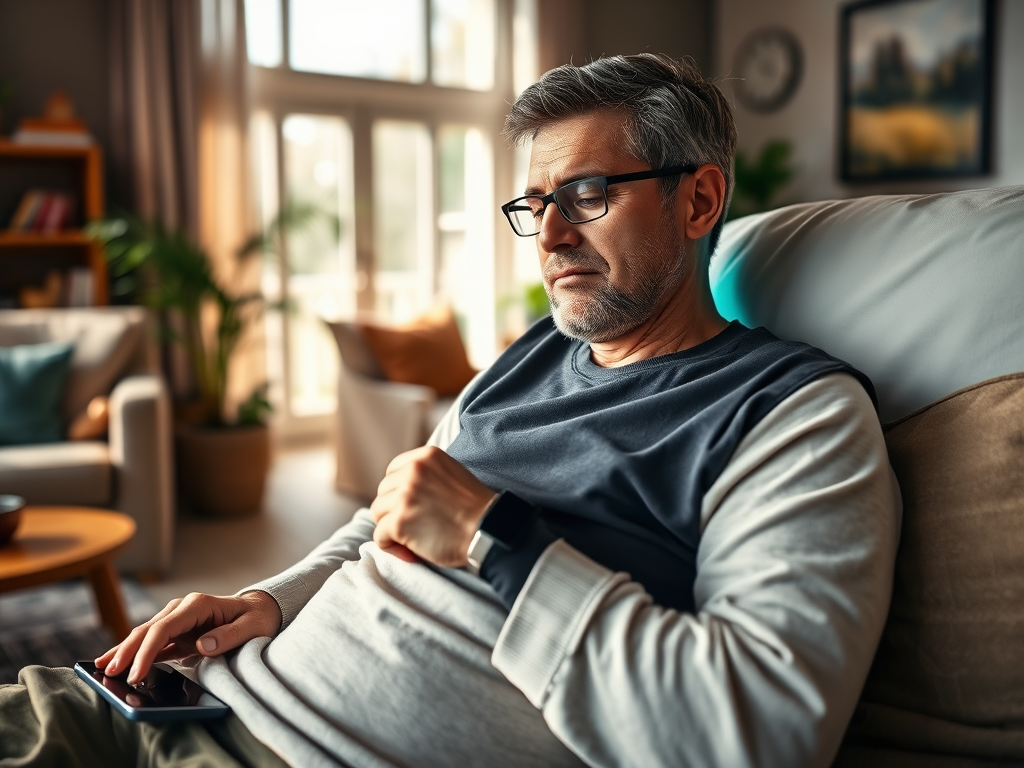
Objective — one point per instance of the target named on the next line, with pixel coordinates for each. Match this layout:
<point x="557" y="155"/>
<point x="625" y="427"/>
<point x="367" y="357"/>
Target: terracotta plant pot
<point x="222" y="471"/>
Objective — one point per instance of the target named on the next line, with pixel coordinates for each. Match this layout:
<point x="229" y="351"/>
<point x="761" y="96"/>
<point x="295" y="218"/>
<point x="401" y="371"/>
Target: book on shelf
<point x="42" y="211"/>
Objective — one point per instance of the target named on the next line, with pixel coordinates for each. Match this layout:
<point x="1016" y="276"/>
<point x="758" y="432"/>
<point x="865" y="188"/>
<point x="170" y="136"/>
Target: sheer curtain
<point x="179" y="98"/>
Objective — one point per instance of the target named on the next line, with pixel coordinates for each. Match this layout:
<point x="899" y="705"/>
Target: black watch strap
<point x="508" y="520"/>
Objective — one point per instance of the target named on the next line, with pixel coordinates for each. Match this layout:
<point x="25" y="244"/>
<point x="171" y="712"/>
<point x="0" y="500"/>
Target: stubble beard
<point x="606" y="312"/>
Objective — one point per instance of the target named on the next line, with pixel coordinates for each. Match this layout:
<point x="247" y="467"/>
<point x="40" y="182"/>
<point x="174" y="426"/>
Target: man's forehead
<point x="582" y="145"/>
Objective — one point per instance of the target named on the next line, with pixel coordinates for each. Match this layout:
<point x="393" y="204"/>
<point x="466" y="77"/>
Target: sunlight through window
<point x="382" y="39"/>
<point x="462" y="43"/>
<point x="403" y="236"/>
<point x="263" y="32"/>
<point x="320" y="263"/>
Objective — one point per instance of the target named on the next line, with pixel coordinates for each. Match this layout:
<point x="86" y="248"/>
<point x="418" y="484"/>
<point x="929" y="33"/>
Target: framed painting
<point x="916" y="89"/>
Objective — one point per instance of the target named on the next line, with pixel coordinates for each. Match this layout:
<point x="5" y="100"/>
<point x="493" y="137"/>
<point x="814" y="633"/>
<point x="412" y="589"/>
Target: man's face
<point x="606" y="277"/>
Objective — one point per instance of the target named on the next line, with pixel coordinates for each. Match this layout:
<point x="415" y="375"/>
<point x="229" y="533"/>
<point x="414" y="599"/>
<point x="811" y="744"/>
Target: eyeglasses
<point x="578" y="201"/>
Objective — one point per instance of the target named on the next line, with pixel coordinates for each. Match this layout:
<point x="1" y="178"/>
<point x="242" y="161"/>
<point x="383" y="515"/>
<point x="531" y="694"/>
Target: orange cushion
<point x="428" y="351"/>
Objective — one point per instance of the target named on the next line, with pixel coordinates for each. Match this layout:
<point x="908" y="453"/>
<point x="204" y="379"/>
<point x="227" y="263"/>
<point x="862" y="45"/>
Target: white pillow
<point x="923" y="293"/>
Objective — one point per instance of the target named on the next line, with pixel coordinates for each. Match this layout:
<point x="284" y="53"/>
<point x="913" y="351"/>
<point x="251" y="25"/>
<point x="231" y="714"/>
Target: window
<point x="382" y="39"/>
<point x="386" y="115"/>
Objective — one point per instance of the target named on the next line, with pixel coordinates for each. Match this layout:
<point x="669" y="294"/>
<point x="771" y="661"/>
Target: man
<point x="679" y="533"/>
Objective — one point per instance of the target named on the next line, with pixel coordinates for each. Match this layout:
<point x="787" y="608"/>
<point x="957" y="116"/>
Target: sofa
<point x="924" y="294"/>
<point x="376" y="419"/>
<point x="130" y="470"/>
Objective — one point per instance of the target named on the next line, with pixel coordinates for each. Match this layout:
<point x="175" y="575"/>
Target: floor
<point x="300" y="509"/>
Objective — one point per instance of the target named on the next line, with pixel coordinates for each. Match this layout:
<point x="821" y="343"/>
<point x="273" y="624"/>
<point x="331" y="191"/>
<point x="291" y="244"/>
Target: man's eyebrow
<point x="538" y="192"/>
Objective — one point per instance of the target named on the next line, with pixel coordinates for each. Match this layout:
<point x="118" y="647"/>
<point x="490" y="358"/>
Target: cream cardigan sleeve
<point x="794" y="574"/>
<point x="294" y="587"/>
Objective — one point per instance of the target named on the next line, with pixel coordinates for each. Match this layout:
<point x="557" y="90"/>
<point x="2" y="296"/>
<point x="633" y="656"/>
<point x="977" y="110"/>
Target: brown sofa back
<point x="948" y="677"/>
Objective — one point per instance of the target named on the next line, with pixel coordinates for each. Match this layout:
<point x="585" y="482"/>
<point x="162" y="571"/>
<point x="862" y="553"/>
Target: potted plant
<point x="758" y="182"/>
<point x="222" y="462"/>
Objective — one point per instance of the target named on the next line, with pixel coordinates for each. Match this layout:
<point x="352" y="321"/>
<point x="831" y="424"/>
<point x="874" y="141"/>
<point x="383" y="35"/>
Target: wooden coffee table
<point x="57" y="543"/>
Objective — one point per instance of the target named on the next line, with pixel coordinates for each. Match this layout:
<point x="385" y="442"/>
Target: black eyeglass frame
<point x="603" y="181"/>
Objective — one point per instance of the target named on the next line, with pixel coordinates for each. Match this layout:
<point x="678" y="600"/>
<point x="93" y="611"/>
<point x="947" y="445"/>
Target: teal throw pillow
<point x="31" y="391"/>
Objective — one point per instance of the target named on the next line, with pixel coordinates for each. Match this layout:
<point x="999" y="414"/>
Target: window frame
<point x="280" y="91"/>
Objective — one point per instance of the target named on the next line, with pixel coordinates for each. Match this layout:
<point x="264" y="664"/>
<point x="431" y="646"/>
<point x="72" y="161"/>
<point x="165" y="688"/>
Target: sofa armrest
<point x="377" y="420"/>
<point x="141" y="454"/>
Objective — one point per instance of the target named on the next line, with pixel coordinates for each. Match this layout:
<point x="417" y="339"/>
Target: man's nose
<point x="557" y="234"/>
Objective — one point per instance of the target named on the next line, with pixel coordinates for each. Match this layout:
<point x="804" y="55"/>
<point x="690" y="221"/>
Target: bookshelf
<point x="26" y="258"/>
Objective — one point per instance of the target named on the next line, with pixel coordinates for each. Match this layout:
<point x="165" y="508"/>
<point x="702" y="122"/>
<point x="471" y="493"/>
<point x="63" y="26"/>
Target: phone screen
<point x="164" y="694"/>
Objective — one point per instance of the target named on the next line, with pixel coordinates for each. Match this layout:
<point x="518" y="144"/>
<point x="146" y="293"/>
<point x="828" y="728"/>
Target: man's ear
<point x="700" y="201"/>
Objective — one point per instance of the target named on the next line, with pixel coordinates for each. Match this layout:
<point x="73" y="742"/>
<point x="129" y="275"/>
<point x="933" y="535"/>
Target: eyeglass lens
<point x="579" y="202"/>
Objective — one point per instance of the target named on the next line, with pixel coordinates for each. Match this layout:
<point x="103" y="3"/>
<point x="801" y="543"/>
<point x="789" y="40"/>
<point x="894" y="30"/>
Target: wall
<point x="51" y="44"/>
<point x="582" y="30"/>
<point x="809" y="120"/>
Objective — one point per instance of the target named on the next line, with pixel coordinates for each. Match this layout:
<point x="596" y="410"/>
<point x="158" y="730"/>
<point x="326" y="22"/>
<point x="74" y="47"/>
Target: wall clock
<point x="768" y="68"/>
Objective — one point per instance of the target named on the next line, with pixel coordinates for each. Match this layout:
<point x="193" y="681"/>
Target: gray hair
<point x="674" y="115"/>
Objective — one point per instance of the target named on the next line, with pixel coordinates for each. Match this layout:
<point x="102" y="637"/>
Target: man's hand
<point x="431" y="505"/>
<point x="202" y="624"/>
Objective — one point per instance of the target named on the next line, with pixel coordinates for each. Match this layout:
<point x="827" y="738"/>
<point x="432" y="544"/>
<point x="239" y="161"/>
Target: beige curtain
<point x="225" y="206"/>
<point x="180" y="117"/>
<point x="155" y="107"/>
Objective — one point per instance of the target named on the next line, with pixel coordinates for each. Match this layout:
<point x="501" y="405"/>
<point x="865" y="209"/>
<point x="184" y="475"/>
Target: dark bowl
<point x="10" y="516"/>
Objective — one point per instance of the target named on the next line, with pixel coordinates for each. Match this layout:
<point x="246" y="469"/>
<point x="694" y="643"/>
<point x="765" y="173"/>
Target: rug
<point x="57" y="625"/>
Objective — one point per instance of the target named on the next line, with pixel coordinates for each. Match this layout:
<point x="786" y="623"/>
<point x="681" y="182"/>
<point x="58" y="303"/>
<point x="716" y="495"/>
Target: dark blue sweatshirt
<point x="619" y="459"/>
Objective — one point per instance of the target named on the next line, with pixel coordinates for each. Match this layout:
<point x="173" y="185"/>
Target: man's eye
<point x="587" y="196"/>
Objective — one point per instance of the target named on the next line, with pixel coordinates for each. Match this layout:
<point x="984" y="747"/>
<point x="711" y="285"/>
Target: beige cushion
<point x="106" y="341"/>
<point x="355" y="353"/>
<point x="58" y="473"/>
<point x="949" y="674"/>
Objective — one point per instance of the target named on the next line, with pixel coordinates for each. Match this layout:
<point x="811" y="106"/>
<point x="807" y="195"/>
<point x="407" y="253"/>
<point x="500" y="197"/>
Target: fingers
<point x="430" y="504"/>
<point x="231" y="635"/>
<point x="262" y="619"/>
<point x="382" y="535"/>
<point x="407" y="457"/>
<point x="205" y="624"/>
<point x="192" y="614"/>
<point x="406" y="477"/>
<point x="402" y="553"/>
<point x="114" y="661"/>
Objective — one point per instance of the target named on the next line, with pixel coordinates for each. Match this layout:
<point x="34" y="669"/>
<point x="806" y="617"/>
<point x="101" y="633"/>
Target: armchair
<point x="376" y="419"/>
<point x="131" y="471"/>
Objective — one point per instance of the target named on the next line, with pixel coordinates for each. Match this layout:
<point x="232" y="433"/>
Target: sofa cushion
<point x="428" y="351"/>
<point x="106" y="340"/>
<point x="949" y="673"/>
<point x="920" y="292"/>
<point x="58" y="473"/>
<point x="355" y="353"/>
<point x="32" y="380"/>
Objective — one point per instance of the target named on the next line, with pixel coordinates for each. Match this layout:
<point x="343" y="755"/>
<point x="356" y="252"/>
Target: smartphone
<point x="164" y="695"/>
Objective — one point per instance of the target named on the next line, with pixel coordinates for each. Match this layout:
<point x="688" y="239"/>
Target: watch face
<point x="768" y="67"/>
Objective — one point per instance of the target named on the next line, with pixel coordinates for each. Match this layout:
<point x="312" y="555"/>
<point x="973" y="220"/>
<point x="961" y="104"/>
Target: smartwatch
<point x="505" y="523"/>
